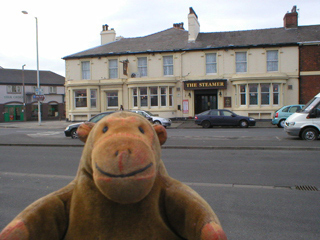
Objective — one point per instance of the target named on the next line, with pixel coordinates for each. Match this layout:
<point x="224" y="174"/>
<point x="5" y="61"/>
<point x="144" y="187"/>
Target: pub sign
<point x="205" y="84"/>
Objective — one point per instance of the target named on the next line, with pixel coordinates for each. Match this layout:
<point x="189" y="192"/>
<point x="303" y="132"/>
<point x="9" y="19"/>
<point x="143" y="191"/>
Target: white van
<point x="306" y="122"/>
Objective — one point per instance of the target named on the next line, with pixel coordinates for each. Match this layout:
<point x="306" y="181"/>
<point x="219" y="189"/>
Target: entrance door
<point x="205" y="101"/>
<point x="13" y="113"/>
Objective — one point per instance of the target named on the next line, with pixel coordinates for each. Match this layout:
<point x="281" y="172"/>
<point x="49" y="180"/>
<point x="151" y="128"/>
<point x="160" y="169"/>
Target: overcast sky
<point x="70" y="26"/>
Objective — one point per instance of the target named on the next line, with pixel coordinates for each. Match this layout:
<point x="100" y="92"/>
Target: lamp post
<point x="24" y="93"/>
<point x="38" y="75"/>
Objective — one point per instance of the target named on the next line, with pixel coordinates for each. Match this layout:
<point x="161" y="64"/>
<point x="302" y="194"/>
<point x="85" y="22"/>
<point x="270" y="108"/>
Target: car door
<point x="214" y="117"/>
<point x="227" y="118"/>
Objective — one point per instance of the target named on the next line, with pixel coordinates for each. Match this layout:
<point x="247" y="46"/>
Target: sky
<point x="66" y="27"/>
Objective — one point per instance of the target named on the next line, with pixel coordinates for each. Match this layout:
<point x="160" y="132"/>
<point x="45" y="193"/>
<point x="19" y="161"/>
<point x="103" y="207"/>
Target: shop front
<point x="13" y="113"/>
<point x="206" y="93"/>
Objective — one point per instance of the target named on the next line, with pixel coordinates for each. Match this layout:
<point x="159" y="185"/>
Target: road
<point x="253" y="192"/>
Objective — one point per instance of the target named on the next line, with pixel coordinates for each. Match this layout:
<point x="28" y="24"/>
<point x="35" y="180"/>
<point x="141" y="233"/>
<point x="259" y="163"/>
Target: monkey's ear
<point x="161" y="132"/>
<point x="84" y="130"/>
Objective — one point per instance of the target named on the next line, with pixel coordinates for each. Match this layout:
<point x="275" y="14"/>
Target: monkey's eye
<point x="141" y="130"/>
<point x="105" y="129"/>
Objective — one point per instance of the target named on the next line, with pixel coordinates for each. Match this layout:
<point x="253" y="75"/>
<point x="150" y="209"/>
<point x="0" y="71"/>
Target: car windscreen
<point x="310" y="105"/>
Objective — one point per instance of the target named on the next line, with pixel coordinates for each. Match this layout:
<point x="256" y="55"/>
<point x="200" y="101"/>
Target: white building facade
<point x="177" y="73"/>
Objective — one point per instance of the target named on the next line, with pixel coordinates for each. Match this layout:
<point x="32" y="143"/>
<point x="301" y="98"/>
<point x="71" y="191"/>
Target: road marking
<point x="44" y="134"/>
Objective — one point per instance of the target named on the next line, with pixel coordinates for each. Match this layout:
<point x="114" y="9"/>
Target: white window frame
<point x="85" y="70"/>
<point x="52" y="89"/>
<point x="113" y="68"/>
<point x="109" y="96"/>
<point x="272" y="60"/>
<point x="13" y="89"/>
<point x="80" y="98"/>
<point x="143" y="66"/>
<point x="93" y="98"/>
<point x="211" y="63"/>
<point x="241" y="62"/>
<point x="168" y="65"/>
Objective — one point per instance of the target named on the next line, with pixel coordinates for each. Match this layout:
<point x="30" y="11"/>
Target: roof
<point x="14" y="76"/>
<point x="174" y="39"/>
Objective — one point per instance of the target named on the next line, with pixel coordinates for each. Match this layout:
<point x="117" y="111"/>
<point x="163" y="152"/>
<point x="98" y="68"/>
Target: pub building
<point x="177" y="73"/>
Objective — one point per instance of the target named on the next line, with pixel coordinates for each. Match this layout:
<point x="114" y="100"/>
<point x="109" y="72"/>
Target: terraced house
<point x="177" y="73"/>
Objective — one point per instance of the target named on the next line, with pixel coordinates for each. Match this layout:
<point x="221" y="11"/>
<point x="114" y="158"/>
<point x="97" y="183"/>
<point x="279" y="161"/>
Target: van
<point x="306" y="122"/>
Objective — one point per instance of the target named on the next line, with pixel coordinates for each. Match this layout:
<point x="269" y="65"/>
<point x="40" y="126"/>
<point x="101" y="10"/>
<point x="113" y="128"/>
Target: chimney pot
<point x="290" y="19"/>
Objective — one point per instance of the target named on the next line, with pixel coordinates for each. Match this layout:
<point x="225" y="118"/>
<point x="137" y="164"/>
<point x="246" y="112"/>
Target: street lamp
<point x="24" y="93"/>
<point x="38" y="76"/>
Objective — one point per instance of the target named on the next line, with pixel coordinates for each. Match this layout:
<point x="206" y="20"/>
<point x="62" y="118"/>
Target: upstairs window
<point x="85" y="68"/>
<point x="272" y="60"/>
<point x="211" y="63"/>
<point x="52" y="90"/>
<point x="168" y="65"/>
<point x="142" y="67"/>
<point x="113" y="68"/>
<point x="13" y="89"/>
<point x="241" y="62"/>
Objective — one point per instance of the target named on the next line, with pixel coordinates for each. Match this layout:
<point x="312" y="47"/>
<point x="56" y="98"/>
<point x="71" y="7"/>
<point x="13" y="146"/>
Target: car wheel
<point x="74" y="134"/>
<point x="157" y="122"/>
<point x="243" y="124"/>
<point x="281" y="123"/>
<point x="206" y="124"/>
<point x="309" y="134"/>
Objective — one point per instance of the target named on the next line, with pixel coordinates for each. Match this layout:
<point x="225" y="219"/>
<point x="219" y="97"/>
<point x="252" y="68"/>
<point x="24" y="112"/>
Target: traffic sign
<point x="40" y="98"/>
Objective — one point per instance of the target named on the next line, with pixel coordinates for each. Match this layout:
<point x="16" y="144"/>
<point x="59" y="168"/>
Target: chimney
<point x="178" y="26"/>
<point x="193" y="25"/>
<point x="290" y="20"/>
<point x="107" y="35"/>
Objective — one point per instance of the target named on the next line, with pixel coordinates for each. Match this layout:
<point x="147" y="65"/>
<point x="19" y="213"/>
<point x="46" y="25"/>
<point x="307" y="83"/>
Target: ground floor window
<point x="93" y="98"/>
<point x="53" y="110"/>
<point x="80" y="98"/>
<point x="259" y="94"/>
<point x="112" y="99"/>
<point x="152" y="96"/>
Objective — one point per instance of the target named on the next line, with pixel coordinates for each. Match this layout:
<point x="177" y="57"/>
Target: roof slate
<point x="174" y="39"/>
<point x="14" y="76"/>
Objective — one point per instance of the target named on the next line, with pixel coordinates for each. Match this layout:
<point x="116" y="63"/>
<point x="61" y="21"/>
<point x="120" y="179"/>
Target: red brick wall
<point x="309" y="61"/>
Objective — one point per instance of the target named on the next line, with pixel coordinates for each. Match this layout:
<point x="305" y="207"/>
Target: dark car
<point x="222" y="117"/>
<point x="71" y="130"/>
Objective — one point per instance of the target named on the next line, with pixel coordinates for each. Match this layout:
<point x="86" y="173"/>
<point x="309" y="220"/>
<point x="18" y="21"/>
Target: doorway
<point x="205" y="100"/>
<point x="13" y="113"/>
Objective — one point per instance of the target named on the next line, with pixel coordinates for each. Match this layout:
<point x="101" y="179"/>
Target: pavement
<point x="56" y="124"/>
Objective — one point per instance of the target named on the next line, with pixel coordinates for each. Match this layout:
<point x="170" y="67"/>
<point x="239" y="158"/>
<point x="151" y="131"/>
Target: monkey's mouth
<point x="124" y="175"/>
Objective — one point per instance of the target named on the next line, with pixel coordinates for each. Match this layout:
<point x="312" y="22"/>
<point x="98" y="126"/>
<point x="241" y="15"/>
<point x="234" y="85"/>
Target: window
<point x="53" y="110"/>
<point x="253" y="91"/>
<point x="168" y="65"/>
<point x="93" y="98"/>
<point x="113" y="68"/>
<point x="143" y="97"/>
<point x="211" y="63"/>
<point x="243" y="95"/>
<point x="272" y="60"/>
<point x="85" y="68"/>
<point x="142" y="66"/>
<point x="265" y="94"/>
<point x="275" y="88"/>
<point x="112" y="99"/>
<point x="80" y="98"/>
<point x="13" y="89"/>
<point x="135" y="97"/>
<point x="163" y="92"/>
<point x="170" y="96"/>
<point x="241" y="62"/>
<point x="154" y="96"/>
<point x="52" y="90"/>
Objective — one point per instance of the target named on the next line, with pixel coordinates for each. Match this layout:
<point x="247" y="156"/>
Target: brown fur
<point x="121" y="191"/>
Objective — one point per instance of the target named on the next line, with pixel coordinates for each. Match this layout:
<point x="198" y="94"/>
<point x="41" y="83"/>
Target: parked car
<point x="305" y="123"/>
<point x="222" y="117"/>
<point x="166" y="122"/>
<point x="71" y="130"/>
<point x="283" y="113"/>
